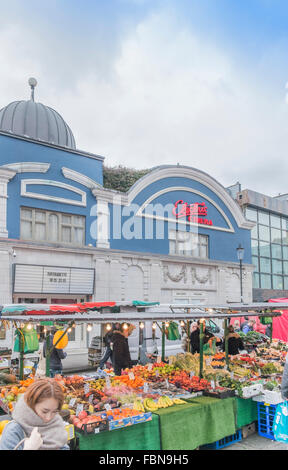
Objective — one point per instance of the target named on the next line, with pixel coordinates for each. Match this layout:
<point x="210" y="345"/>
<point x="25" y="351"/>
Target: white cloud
<point x="169" y="97"/>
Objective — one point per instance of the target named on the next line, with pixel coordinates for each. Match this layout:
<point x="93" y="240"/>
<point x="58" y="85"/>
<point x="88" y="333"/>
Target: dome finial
<point x="32" y="82"/>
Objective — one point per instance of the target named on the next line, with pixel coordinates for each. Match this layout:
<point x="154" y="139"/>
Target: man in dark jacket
<point x="121" y="354"/>
<point x="56" y="357"/>
<point x="235" y="343"/>
<point x="107" y="341"/>
<point x="195" y="338"/>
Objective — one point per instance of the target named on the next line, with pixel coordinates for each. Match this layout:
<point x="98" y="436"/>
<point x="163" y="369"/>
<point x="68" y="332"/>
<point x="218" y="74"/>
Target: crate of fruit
<point x="219" y="392"/>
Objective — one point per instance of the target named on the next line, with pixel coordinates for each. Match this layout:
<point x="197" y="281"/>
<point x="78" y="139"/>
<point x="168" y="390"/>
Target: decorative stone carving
<point x="182" y="275"/>
<point x="196" y="277"/>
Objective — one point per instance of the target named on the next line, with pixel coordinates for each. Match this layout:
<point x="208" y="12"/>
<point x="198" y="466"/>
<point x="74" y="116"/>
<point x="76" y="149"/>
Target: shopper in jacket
<point x="107" y="341"/>
<point x="195" y="338"/>
<point x="235" y="343"/>
<point x="36" y="424"/>
<point x="121" y="355"/>
<point x="56" y="357"/>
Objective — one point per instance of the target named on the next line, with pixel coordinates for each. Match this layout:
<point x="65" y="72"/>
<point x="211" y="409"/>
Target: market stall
<point x="204" y="397"/>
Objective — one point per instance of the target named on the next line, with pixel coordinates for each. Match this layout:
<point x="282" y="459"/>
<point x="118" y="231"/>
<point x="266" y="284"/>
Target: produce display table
<point x="216" y="419"/>
<point x="246" y="412"/>
<point x="144" y="436"/>
<point x="180" y="426"/>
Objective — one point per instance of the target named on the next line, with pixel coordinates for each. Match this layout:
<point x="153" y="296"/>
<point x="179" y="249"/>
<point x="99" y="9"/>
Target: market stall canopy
<point x="48" y="309"/>
<point x="150" y="312"/>
<point x="280" y="325"/>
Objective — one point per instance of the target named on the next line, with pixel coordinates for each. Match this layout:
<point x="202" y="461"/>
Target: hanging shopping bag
<point x="30" y="338"/>
<point x="209" y="348"/>
<point x="280" y="424"/>
<point x="172" y="332"/>
<point x="41" y="367"/>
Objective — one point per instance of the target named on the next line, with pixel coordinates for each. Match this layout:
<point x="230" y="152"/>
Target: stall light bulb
<point x="89" y="328"/>
<point x="182" y="323"/>
<point x="108" y="327"/>
<point x="74" y="325"/>
<point x="69" y="330"/>
<point x="125" y="326"/>
<point x="154" y="326"/>
<point x="141" y="325"/>
<point x="167" y="324"/>
<point x="29" y="326"/>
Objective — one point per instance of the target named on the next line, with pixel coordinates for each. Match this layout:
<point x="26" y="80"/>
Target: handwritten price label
<point x="79" y="408"/>
<point x="108" y="382"/>
<point x="131" y="376"/>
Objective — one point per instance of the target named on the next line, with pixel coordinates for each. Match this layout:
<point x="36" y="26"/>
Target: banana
<point x="168" y="401"/>
<point x="177" y="401"/>
<point x="161" y="403"/>
<point x="150" y="405"/>
<point x="137" y="405"/>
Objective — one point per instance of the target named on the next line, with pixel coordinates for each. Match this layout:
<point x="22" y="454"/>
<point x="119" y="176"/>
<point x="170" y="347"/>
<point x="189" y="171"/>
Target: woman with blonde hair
<point x="36" y="424"/>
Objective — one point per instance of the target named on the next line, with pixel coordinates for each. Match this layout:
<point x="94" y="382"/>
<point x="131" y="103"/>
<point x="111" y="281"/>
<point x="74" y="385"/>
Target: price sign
<point x="79" y="408"/>
<point x="167" y="383"/>
<point x="150" y="366"/>
<point x="145" y="387"/>
<point x="86" y="388"/>
<point x="107" y="407"/>
<point x="170" y="361"/>
<point x="131" y="376"/>
<point x="192" y="373"/>
<point x="213" y="384"/>
<point x="108" y="382"/>
<point x="232" y="375"/>
<point x="157" y="373"/>
<point x="259" y="371"/>
<point x="91" y="398"/>
<point x="96" y="430"/>
<point x="72" y="402"/>
<point x="158" y="359"/>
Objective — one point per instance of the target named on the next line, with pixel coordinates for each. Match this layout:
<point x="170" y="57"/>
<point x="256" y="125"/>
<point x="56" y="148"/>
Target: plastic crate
<point x="266" y="413"/>
<point x="226" y="441"/>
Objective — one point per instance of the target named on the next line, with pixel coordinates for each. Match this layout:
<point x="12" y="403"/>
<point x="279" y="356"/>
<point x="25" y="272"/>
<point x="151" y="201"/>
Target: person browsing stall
<point x="121" y="355"/>
<point x="195" y="337"/>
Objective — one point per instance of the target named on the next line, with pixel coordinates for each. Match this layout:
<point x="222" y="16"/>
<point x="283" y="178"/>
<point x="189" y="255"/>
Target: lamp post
<point x="240" y="255"/>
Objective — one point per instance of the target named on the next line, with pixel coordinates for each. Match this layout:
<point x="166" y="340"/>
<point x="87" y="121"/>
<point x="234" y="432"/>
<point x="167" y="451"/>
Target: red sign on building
<point x="195" y="212"/>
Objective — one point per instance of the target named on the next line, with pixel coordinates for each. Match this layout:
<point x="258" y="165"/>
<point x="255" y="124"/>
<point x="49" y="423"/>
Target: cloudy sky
<point x="149" y="82"/>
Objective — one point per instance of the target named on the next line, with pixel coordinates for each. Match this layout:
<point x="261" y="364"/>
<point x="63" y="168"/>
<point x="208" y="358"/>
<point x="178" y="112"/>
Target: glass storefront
<point x="269" y="240"/>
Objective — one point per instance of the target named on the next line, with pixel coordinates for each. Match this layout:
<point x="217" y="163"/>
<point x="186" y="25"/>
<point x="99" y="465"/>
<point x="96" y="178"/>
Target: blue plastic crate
<point x="226" y="441"/>
<point x="266" y="413"/>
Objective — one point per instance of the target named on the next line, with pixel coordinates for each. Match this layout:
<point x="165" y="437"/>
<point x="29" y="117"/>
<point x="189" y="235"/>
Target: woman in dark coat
<point x="121" y="355"/>
<point x="235" y="343"/>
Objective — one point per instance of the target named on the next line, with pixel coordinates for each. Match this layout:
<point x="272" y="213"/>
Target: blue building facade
<point x="55" y="212"/>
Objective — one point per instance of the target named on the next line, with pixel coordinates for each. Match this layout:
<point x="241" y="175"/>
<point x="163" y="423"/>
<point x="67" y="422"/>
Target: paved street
<point x="256" y="442"/>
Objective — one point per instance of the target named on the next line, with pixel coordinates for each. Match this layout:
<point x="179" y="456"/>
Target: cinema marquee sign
<point x="195" y="212"/>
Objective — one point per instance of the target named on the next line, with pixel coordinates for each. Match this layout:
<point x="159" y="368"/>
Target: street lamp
<point x="240" y="256"/>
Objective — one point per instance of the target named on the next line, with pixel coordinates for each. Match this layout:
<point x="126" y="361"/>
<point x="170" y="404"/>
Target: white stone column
<point x="5" y="176"/>
<point x="103" y="220"/>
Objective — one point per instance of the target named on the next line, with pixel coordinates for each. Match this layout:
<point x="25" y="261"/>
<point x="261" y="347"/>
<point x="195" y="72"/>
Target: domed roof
<point x="36" y="121"/>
